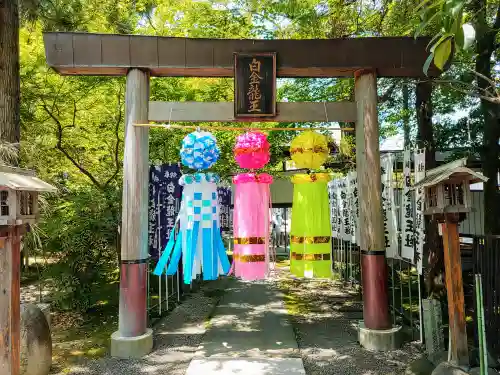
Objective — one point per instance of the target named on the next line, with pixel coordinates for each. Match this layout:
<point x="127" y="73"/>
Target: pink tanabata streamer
<point x="251" y="219"/>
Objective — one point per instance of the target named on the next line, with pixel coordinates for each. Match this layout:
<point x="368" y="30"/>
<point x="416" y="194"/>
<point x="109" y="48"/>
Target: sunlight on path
<point x="249" y="334"/>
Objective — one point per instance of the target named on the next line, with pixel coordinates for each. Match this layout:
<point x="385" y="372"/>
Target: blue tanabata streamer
<point x="198" y="218"/>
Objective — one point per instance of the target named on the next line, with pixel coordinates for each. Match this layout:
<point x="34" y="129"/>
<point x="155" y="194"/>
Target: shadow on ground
<point x="176" y="339"/>
<point x="325" y="317"/>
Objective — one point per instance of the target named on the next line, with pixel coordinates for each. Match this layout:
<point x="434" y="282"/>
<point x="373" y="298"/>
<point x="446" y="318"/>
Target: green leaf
<point x="459" y="38"/>
<point x="447" y="21"/>
<point x="457" y="22"/>
<point x="433" y="40"/>
<point x="422" y="4"/>
<point x="428" y="63"/>
<point x="423" y="25"/>
<point x="441" y="40"/>
<point x="469" y="35"/>
<point x="456" y="11"/>
<point x="442" y="53"/>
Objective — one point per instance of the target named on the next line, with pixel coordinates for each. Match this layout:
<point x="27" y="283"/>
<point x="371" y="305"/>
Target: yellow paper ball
<point x="309" y="150"/>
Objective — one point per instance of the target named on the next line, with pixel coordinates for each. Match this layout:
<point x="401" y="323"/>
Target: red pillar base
<point x="375" y="297"/>
<point x="133" y="318"/>
<point x="133" y="339"/>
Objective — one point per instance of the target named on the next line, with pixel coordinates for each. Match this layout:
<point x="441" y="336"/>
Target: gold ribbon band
<point x="313" y="177"/>
<point x="249" y="258"/>
<point x="249" y="240"/>
<point x="247" y="150"/>
<point x="309" y="257"/>
<point x="310" y="240"/>
<point x="318" y="149"/>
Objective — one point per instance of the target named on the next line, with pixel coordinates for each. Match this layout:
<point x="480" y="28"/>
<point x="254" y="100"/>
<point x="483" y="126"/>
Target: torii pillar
<point x="133" y="338"/>
<point x="376" y="332"/>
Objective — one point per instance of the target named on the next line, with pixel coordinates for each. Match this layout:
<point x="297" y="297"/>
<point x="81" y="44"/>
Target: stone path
<point x="283" y="326"/>
<point x="249" y="334"/>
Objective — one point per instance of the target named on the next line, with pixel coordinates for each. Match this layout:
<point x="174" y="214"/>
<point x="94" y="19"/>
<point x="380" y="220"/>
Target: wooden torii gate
<point x="139" y="57"/>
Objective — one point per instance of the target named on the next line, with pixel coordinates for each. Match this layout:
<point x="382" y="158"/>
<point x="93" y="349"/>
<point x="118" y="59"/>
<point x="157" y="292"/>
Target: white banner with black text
<point x="407" y="222"/>
<point x="352" y="179"/>
<point x="388" y="206"/>
<point x="419" y="158"/>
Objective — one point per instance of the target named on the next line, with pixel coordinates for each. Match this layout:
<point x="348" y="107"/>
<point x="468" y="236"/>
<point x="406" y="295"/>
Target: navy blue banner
<point x="226" y="215"/>
<point x="164" y="203"/>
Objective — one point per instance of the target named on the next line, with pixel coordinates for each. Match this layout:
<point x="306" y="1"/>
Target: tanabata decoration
<point x="199" y="240"/>
<point x="199" y="150"/>
<point x="252" y="150"/>
<point x="251" y="216"/>
<point x="309" y="150"/>
<point x="311" y="232"/>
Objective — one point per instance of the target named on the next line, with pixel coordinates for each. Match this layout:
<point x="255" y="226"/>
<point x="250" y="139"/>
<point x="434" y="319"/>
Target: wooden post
<point x="132" y="320"/>
<point x="10" y="304"/>
<point x="455" y="291"/>
<point x="372" y="242"/>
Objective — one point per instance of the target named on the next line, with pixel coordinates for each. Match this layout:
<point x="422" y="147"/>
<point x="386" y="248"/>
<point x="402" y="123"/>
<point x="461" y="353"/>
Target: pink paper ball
<point x="252" y="150"/>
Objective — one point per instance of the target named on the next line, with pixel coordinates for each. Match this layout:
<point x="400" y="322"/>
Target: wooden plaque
<point x="255" y="84"/>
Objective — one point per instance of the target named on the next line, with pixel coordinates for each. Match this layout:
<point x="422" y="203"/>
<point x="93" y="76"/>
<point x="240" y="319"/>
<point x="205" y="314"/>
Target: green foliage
<point x="72" y="131"/>
<point x="118" y="16"/>
<point x="80" y="230"/>
<point x="454" y="33"/>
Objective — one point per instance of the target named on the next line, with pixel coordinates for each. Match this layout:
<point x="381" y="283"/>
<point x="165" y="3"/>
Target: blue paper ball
<point x="199" y="150"/>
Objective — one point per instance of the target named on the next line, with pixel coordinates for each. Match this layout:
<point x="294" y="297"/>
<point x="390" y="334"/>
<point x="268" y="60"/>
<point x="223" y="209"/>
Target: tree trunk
<point x="9" y="132"/>
<point x="433" y="257"/>
<point x="490" y="152"/>
<point x="10" y="87"/>
<point x="9" y="71"/>
<point x="406" y="114"/>
<point x="425" y="137"/>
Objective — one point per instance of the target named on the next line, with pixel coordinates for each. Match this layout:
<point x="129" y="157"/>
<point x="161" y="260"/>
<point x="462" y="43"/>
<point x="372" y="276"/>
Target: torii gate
<point x="139" y="57"/>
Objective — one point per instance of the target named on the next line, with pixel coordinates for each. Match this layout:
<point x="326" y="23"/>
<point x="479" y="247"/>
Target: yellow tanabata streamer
<point x="311" y="228"/>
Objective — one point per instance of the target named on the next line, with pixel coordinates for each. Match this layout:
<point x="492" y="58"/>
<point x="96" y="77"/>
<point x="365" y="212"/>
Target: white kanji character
<point x="170" y="211"/>
<point x="171" y="187"/>
<point x="152" y="215"/>
<point x="170" y="199"/>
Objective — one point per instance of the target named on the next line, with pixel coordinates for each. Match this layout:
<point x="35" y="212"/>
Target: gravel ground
<point x="325" y="316"/>
<point x="176" y="339"/>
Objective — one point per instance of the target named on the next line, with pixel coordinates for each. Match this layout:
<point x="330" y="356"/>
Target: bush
<point x="80" y="231"/>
